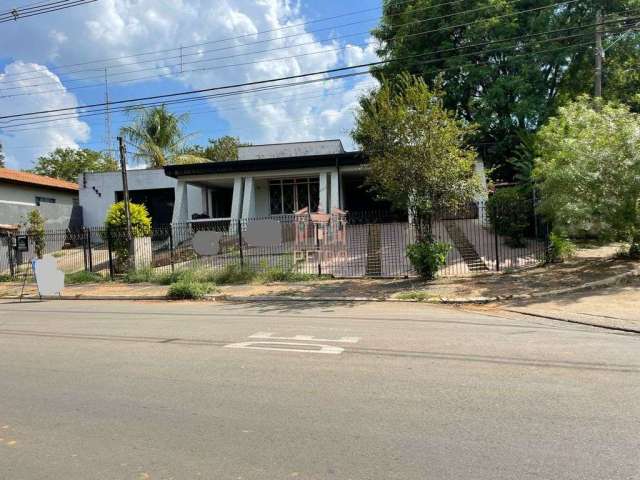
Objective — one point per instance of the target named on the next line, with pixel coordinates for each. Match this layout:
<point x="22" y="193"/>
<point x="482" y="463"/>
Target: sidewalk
<point x="615" y="307"/>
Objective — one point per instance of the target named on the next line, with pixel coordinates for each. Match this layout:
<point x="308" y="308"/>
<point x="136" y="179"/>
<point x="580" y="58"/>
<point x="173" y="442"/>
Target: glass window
<point x="289" y="195"/>
<point x="40" y="200"/>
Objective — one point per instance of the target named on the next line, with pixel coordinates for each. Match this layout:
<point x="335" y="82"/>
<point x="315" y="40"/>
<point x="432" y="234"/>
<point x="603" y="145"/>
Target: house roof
<point x="257" y="165"/>
<point x="25" y="178"/>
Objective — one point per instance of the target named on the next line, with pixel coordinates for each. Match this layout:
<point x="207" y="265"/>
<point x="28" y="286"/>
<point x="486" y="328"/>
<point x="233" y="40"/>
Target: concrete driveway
<point x="121" y="390"/>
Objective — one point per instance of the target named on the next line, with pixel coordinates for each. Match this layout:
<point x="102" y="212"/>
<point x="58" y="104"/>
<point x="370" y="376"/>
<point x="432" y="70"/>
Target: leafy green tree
<point x="68" y="163"/>
<point x="588" y="170"/>
<point x="158" y="137"/>
<point x="505" y="90"/>
<point x="115" y="225"/>
<point x="220" y="149"/>
<point x="416" y="148"/>
<point x="35" y="230"/>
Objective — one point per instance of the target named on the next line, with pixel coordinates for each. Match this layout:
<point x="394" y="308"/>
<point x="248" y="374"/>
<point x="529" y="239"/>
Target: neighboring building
<point x="267" y="180"/>
<point x="151" y="187"/>
<point x="21" y="192"/>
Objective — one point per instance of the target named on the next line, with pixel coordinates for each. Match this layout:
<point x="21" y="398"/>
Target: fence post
<point x="111" y="270"/>
<point x="240" y="244"/>
<point x="318" y="249"/>
<point x="495" y="237"/>
<point x="10" y="254"/>
<point x="90" y="250"/>
<point x="547" y="244"/>
<point x="171" y="247"/>
<point x="84" y="248"/>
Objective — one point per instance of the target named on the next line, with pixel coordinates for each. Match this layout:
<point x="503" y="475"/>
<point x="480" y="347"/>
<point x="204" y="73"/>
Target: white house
<point x="98" y="191"/>
<point x="266" y="180"/>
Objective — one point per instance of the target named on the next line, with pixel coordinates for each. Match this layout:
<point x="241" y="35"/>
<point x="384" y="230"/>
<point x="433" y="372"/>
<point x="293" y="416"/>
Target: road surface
<point x="123" y="390"/>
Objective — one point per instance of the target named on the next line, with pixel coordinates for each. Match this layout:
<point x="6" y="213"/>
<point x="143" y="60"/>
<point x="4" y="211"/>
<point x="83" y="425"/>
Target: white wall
<point x="95" y="207"/>
<point x="26" y="194"/>
<point x="295" y="149"/>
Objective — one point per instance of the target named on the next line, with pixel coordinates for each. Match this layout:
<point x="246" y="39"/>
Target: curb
<point x="577" y="322"/>
<point x="616" y="279"/>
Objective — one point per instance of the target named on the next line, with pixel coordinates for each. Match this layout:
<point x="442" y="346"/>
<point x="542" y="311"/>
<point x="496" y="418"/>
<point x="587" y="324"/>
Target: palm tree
<point x="157" y="135"/>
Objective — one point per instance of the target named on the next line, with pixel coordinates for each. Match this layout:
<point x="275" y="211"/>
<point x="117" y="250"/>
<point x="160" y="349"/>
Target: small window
<point x="41" y="200"/>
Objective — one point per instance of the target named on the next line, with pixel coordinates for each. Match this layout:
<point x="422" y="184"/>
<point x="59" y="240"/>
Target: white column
<point x="205" y="199"/>
<point x="335" y="191"/>
<point x="322" y="203"/>
<point x="180" y="205"/>
<point x="249" y="200"/>
<point x="236" y="201"/>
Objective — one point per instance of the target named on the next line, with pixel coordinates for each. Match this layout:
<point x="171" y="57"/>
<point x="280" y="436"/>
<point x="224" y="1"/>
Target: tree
<point x="68" y="163"/>
<point x="1" y="156"/>
<point x="157" y="135"/>
<point x="416" y="148"/>
<point x="588" y="168"/>
<point x="35" y="230"/>
<point x="506" y="87"/>
<point x="220" y="149"/>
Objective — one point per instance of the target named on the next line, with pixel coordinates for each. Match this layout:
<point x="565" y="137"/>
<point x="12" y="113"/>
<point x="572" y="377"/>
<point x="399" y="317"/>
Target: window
<point x="288" y="195"/>
<point x="40" y="200"/>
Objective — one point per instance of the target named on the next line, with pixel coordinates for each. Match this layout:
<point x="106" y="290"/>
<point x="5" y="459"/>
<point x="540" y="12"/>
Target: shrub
<point x="116" y="228"/>
<point x="143" y="275"/>
<point x="233" y="274"/>
<point x="5" y="278"/>
<point x="511" y="212"/>
<point x="561" y="248"/>
<point x="186" y="289"/>
<point x="82" y="277"/>
<point x="279" y="274"/>
<point x="427" y="256"/>
<point x="35" y="230"/>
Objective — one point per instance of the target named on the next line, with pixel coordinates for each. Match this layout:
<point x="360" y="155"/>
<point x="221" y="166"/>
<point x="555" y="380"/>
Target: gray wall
<point x="56" y="215"/>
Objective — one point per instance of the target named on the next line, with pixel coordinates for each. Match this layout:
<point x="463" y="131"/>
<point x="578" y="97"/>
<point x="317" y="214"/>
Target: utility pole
<point x="599" y="55"/>
<point x="125" y="185"/>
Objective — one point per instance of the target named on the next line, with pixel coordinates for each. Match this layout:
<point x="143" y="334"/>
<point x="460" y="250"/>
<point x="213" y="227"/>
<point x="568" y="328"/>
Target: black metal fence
<point x="356" y="245"/>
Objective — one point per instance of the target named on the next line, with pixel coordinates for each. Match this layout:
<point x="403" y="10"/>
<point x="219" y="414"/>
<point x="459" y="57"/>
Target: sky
<point x="152" y="47"/>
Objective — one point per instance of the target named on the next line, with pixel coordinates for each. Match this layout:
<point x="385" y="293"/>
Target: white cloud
<point x="118" y="28"/>
<point x="18" y="141"/>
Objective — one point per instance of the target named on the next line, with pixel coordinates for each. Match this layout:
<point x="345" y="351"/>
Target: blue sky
<point x="35" y="72"/>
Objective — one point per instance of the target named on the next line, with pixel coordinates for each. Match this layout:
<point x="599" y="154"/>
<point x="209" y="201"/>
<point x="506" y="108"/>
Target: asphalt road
<point x="98" y="390"/>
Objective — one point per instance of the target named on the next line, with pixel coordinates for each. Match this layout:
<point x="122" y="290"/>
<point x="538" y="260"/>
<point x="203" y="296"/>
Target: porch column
<point x="335" y="191"/>
<point x="180" y="205"/>
<point x="236" y="200"/>
<point x="322" y="202"/>
<point x="249" y="200"/>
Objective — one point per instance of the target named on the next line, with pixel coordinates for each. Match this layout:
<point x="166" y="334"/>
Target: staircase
<point x="465" y="247"/>
<point x="374" y="251"/>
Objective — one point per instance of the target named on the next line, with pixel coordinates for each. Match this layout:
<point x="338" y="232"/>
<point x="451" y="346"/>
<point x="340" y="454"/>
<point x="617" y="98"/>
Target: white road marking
<point x="315" y="348"/>
<point x="305" y="338"/>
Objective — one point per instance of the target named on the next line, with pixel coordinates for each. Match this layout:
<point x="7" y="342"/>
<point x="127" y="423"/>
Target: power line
<point x="171" y="98"/>
<point x="15" y="15"/>
<point x="415" y="22"/>
<point x="281" y="58"/>
<point x="154" y="52"/>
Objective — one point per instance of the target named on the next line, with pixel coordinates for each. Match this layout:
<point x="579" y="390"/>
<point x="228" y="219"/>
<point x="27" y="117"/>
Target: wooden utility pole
<point x="599" y="55"/>
<point x="125" y="184"/>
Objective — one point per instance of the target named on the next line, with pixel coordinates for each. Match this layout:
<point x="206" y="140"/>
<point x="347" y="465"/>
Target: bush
<point x="233" y="274"/>
<point x="82" y="277"/>
<point x="116" y="229"/>
<point x="144" y="275"/>
<point x="427" y="256"/>
<point x="561" y="248"/>
<point x="6" y="278"/>
<point x="188" y="290"/>
<point x="35" y="230"/>
<point x="279" y="274"/>
<point x="511" y="213"/>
